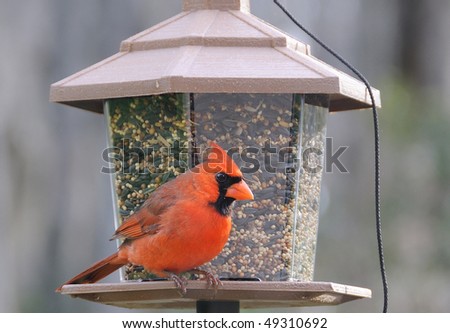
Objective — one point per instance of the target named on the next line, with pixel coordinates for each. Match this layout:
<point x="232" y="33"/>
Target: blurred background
<point x="55" y="205"/>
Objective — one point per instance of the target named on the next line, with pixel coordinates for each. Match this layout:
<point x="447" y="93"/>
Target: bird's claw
<point x="180" y="283"/>
<point x="211" y="279"/>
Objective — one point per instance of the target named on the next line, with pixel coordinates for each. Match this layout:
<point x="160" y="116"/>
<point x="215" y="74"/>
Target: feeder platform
<point x="249" y="294"/>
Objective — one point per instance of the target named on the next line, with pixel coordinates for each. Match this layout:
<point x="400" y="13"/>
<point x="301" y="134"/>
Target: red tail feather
<point x="97" y="271"/>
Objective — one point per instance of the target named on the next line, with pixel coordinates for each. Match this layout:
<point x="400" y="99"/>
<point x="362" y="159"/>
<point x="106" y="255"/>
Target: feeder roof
<point x="213" y="46"/>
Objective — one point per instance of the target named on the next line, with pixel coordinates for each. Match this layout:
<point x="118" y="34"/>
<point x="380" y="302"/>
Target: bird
<point x="182" y="225"/>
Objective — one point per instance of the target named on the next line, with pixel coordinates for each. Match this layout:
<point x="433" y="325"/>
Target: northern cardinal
<point x="182" y="225"/>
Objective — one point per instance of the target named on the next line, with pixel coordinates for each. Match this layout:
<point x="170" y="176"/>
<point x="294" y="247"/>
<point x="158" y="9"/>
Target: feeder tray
<point x="250" y="294"/>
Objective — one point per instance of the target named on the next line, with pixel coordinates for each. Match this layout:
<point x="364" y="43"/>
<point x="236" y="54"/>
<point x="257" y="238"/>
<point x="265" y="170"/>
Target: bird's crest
<point x="218" y="161"/>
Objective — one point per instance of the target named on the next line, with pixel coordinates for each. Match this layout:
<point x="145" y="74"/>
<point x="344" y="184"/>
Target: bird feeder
<point x="216" y="72"/>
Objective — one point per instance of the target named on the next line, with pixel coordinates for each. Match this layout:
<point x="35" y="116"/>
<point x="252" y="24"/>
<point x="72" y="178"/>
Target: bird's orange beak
<point x="240" y="191"/>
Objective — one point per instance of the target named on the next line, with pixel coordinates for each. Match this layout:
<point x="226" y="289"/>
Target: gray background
<point x="55" y="205"/>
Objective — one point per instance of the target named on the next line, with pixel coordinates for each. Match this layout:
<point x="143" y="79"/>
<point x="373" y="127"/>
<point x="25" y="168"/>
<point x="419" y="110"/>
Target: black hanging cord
<point x="377" y="148"/>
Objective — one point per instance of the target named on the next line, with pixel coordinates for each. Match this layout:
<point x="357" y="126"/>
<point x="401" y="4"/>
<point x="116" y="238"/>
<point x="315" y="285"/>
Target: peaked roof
<point x="210" y="51"/>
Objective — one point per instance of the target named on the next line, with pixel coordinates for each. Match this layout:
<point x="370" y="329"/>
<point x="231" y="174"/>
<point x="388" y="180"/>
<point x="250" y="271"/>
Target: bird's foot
<point x="211" y="279"/>
<point x="180" y="282"/>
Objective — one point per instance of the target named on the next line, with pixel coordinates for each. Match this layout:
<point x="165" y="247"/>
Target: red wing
<point x="137" y="225"/>
<point x="147" y="220"/>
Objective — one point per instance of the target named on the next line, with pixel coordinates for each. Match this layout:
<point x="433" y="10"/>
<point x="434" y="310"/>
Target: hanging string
<point x="377" y="149"/>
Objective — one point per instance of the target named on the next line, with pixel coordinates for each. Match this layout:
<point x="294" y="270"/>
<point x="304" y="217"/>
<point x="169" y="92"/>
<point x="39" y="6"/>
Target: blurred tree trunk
<point x="409" y="28"/>
<point x="423" y="48"/>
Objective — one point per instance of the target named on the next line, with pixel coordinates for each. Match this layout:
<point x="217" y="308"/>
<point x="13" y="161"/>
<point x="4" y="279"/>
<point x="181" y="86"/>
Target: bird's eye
<point x="221" y="177"/>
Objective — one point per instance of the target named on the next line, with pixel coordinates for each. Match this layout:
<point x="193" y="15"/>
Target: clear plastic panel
<point x="313" y="118"/>
<point x="148" y="140"/>
<point x="270" y="239"/>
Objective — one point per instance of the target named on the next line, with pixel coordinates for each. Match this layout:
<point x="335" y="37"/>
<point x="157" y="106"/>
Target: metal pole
<point x="218" y="307"/>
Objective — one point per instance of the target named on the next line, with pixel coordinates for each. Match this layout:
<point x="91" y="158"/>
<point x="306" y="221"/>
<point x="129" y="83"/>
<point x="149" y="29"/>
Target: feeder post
<point x="217" y="306"/>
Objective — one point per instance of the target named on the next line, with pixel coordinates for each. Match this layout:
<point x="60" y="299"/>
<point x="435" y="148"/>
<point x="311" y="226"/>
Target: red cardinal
<point x="182" y="225"/>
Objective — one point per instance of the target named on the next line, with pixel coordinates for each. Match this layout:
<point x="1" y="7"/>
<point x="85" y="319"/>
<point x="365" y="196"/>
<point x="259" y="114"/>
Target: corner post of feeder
<point x="242" y="5"/>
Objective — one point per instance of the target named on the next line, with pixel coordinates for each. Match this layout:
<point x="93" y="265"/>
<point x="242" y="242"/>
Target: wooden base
<point x="251" y="294"/>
